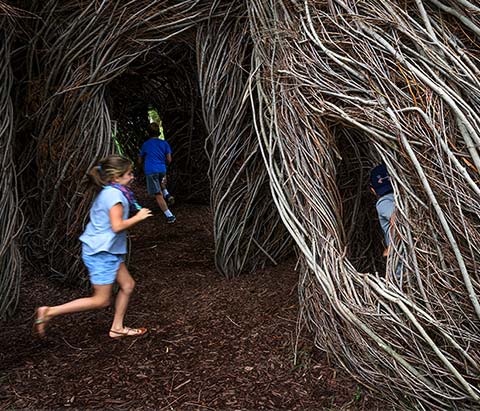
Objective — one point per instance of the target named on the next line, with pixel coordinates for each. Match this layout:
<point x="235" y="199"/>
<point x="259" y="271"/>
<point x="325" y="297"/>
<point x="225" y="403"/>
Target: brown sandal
<point x="129" y="332"/>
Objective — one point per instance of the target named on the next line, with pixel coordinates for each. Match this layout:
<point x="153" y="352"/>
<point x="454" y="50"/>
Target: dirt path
<point x="212" y="343"/>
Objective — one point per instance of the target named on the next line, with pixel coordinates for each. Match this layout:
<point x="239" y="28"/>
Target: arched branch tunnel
<point x="276" y="112"/>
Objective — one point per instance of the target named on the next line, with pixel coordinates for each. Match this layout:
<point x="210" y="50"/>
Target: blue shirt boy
<point x="154" y="152"/>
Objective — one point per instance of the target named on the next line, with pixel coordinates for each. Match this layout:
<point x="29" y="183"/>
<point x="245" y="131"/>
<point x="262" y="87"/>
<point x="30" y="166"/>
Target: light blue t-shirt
<point x="385" y="207"/>
<point x="155" y="151"/>
<point x="99" y="236"/>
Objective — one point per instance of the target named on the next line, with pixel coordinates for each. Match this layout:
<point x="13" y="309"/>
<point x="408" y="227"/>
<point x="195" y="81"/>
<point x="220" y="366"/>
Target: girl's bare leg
<point x="99" y="299"/>
<point x="127" y="284"/>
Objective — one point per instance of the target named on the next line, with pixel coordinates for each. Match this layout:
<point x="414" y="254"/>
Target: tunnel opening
<point x="165" y="81"/>
<point x="362" y="232"/>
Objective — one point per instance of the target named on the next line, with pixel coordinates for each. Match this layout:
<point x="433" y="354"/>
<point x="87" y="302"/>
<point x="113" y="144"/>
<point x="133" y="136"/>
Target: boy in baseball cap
<point x="380" y="185"/>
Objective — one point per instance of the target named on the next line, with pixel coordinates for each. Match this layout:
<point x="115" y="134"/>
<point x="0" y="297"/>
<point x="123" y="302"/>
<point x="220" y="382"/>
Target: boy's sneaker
<point x="171" y="219"/>
<point x="170" y="200"/>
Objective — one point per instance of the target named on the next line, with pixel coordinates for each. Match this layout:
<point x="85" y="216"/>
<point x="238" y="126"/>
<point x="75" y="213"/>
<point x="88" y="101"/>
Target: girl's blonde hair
<point x="104" y="172"/>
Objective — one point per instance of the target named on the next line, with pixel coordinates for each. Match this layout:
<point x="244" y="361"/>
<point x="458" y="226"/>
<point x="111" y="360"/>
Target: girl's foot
<point x="127" y="332"/>
<point x="41" y="320"/>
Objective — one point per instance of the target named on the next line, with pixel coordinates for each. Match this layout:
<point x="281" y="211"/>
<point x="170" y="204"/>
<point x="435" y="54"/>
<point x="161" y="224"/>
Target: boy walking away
<point x="156" y="154"/>
<point x="382" y="188"/>
<point x="157" y="131"/>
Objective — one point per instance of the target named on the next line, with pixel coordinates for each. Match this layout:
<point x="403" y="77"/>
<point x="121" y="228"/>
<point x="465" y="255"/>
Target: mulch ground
<point x="213" y="343"/>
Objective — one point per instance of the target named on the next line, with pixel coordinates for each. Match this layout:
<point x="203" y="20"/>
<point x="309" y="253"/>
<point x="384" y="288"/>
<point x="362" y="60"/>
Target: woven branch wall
<point x="11" y="218"/>
<point x="299" y="99"/>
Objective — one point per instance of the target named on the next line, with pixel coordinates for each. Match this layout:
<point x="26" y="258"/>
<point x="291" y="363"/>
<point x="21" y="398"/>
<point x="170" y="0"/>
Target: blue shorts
<point x="102" y="267"/>
<point x="153" y="183"/>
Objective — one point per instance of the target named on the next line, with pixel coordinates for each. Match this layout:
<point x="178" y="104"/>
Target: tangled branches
<point x="300" y="99"/>
<point x="402" y="83"/>
<point x="10" y="216"/>
<point x="246" y="225"/>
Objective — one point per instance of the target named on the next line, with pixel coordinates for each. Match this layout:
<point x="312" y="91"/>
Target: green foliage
<point x="357" y="396"/>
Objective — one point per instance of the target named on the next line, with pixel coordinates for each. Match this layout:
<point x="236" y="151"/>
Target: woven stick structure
<point x="11" y="220"/>
<point x="299" y="99"/>
<point x="247" y="227"/>
<point x="375" y="77"/>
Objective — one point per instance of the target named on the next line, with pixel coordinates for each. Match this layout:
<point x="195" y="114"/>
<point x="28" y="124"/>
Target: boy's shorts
<point x="153" y="183"/>
<point x="102" y="267"/>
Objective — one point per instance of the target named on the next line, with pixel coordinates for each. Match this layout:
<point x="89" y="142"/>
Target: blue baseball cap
<point x="380" y="180"/>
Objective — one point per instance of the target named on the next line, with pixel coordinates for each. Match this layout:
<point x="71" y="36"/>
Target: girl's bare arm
<point x="119" y="224"/>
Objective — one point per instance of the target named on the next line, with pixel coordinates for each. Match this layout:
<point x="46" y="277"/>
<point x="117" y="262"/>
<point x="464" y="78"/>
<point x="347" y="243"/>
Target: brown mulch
<point x="212" y="344"/>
